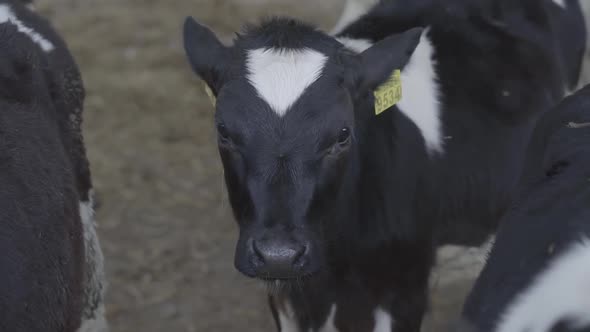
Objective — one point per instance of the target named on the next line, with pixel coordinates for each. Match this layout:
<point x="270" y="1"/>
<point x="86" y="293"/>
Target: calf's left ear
<point x="378" y="62"/>
<point x="206" y="54"/>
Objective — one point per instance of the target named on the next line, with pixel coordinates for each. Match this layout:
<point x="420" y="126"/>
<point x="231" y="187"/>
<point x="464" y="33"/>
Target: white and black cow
<point x="339" y="209"/>
<point x="51" y="266"/>
<point x="537" y="277"/>
<point x="565" y="18"/>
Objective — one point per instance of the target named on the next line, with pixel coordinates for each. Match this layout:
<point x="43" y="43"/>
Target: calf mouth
<point x="280" y="285"/>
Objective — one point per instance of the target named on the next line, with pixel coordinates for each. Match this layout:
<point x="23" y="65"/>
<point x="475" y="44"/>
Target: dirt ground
<point x="164" y="221"/>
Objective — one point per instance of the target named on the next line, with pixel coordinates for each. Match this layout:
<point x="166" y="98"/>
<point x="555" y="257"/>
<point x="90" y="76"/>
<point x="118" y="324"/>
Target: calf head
<point x="287" y="100"/>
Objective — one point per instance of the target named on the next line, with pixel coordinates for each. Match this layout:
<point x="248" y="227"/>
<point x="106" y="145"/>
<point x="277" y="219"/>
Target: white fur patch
<point x="560" y="3"/>
<point x="353" y="10"/>
<point x="420" y="95"/>
<point x="289" y="323"/>
<point x="560" y="292"/>
<point x="329" y="324"/>
<point x="87" y="213"/>
<point x="383" y="321"/>
<point x="356" y="45"/>
<point x="93" y="313"/>
<point x="7" y="15"/>
<point x="282" y="76"/>
<point x="97" y="324"/>
<point x="287" y="319"/>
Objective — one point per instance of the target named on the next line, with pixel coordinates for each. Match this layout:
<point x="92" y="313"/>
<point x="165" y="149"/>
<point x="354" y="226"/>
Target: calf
<point x="340" y="210"/>
<point x="51" y="262"/>
<point x="537" y="277"/>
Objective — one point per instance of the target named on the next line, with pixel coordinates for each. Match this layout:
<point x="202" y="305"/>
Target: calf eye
<point x="341" y="144"/>
<point x="344" y="136"/>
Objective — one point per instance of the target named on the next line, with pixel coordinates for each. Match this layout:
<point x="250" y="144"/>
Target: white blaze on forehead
<point x="561" y="292"/>
<point x="281" y="76"/>
<point x="7" y="15"/>
<point x="383" y="321"/>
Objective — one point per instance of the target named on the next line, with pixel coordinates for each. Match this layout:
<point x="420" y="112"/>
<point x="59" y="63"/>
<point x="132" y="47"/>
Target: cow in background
<point x="52" y="275"/>
<point x="537" y="276"/>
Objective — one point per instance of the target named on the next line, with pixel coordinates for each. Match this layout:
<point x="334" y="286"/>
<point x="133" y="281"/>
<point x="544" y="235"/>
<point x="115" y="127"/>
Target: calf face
<point x="286" y="100"/>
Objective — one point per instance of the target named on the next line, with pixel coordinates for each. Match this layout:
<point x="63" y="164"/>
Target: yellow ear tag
<point x="211" y="95"/>
<point x="388" y="93"/>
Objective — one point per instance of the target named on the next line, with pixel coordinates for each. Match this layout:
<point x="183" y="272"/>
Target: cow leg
<point x="337" y="306"/>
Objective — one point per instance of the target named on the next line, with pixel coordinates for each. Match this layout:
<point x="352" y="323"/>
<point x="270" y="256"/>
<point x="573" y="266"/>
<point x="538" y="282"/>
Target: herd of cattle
<point x="349" y="158"/>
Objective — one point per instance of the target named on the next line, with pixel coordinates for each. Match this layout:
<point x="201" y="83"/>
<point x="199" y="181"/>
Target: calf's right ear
<point x="206" y="54"/>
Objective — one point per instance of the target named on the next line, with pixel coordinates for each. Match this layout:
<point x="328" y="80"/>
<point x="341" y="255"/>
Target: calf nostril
<point x="272" y="254"/>
<point x="299" y="257"/>
<point x="258" y="255"/>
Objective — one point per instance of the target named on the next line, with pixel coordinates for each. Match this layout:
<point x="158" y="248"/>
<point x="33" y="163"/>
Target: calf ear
<point x="381" y="59"/>
<point x="206" y="54"/>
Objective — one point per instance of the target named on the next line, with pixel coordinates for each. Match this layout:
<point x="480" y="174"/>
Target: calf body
<point x="537" y="277"/>
<point x="52" y="269"/>
<point x="341" y="209"/>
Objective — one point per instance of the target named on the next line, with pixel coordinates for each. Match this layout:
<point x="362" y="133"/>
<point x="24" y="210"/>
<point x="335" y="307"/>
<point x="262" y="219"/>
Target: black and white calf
<point x="51" y="264"/>
<point x="537" y="277"/>
<point x="565" y="17"/>
<point x="340" y="210"/>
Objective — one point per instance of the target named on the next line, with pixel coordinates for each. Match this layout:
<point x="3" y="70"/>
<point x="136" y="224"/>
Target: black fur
<point x="570" y="39"/>
<point x="565" y="326"/>
<point x="44" y="175"/>
<point x="373" y="212"/>
<point x="551" y="214"/>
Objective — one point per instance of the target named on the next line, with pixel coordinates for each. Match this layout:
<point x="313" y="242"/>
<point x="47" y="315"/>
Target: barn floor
<point x="164" y="222"/>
